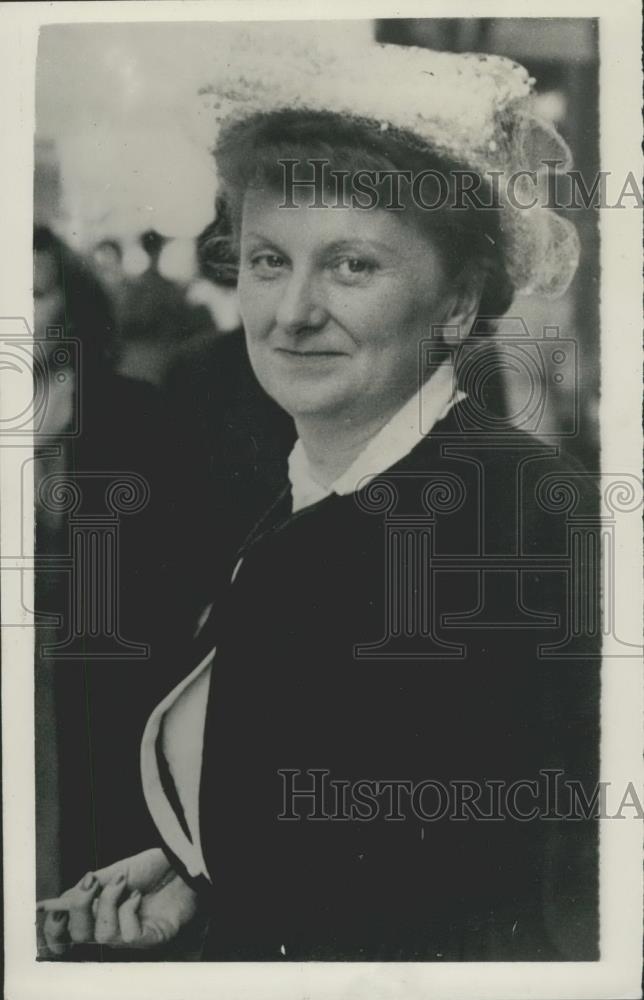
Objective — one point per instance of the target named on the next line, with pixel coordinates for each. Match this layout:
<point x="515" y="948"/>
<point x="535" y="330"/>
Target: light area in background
<point x="123" y="182"/>
<point x="135" y="259"/>
<point x="552" y="105"/>
<point x="117" y="112"/>
<point x="178" y="260"/>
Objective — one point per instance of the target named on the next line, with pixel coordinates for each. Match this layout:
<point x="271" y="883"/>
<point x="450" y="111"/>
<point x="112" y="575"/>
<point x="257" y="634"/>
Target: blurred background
<point x="124" y="200"/>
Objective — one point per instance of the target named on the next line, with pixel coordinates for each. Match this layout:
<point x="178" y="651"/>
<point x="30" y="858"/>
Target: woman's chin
<point x="311" y="400"/>
<point x="313" y="408"/>
<point x="302" y="394"/>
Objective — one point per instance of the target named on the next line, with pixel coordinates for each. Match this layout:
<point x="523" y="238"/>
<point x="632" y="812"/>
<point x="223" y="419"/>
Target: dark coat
<point x="315" y="670"/>
<point x="92" y="709"/>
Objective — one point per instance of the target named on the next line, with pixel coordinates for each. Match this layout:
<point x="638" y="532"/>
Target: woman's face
<point x="335" y="302"/>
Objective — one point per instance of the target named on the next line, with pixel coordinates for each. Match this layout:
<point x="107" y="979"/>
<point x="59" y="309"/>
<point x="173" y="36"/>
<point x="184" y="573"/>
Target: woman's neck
<point x="332" y="446"/>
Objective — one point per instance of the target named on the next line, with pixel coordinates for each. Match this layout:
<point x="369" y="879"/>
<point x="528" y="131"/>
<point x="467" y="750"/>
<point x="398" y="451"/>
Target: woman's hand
<point x="139" y="902"/>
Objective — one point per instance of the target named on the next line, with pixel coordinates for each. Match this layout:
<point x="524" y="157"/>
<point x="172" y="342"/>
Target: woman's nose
<point x="302" y="305"/>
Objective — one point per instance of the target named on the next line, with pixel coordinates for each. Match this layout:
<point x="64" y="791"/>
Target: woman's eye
<point x="355" y="269"/>
<point x="267" y="265"/>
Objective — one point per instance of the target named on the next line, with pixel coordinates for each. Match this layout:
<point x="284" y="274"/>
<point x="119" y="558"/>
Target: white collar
<point x="394" y="441"/>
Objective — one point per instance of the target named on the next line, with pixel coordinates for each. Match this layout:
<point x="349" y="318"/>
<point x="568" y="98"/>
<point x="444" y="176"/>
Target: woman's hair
<point x="217" y="248"/>
<point x="249" y="155"/>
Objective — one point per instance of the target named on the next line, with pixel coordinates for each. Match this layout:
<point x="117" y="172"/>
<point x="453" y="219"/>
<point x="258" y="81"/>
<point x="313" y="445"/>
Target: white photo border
<point x="618" y="972"/>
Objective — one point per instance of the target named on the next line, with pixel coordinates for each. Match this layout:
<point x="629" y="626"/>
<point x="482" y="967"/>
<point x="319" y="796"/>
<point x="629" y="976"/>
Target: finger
<point x="141" y="870"/>
<point x="129" y="918"/>
<point x="67" y="901"/>
<point x="107" y="922"/>
<point x="58" y="905"/>
<point x="111" y="872"/>
<point x="81" y="918"/>
<point x="55" y="931"/>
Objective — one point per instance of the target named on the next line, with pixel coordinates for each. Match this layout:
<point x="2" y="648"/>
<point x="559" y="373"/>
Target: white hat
<point x="475" y="109"/>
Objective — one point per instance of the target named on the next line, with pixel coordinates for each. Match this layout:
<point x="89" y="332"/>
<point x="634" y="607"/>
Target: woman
<point x="384" y="628"/>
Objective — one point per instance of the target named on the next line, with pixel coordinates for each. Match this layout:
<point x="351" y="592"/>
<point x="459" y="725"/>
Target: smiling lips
<point x="309" y="354"/>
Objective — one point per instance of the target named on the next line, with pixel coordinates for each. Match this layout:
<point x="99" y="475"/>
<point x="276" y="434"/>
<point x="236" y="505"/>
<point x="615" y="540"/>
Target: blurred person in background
<point x="97" y="425"/>
<point x="107" y="263"/>
<point x="157" y="321"/>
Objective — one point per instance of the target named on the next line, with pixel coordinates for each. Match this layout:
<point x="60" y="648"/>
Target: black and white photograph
<point x="320" y="454"/>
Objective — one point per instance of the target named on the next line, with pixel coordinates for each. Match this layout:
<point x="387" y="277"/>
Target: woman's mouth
<point x="309" y="354"/>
